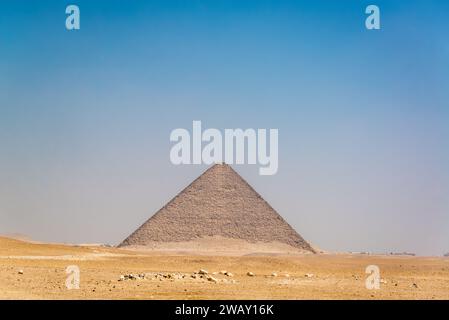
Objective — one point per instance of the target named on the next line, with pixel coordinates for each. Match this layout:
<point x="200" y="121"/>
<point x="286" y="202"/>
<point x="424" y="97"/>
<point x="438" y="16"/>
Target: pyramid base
<point x="219" y="246"/>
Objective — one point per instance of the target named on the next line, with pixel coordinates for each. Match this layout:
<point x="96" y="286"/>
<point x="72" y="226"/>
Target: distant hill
<point x="18" y="236"/>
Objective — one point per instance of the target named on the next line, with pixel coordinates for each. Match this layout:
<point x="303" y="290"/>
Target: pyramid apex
<point x="221" y="164"/>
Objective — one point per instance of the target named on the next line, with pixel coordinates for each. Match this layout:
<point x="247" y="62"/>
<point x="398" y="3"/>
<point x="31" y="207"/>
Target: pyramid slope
<point x="218" y="203"/>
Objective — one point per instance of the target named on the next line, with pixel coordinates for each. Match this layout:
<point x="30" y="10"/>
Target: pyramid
<point x="218" y="203"/>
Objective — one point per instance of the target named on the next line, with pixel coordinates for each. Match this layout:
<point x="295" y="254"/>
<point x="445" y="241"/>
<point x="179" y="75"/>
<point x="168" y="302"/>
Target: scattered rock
<point x="200" y="275"/>
<point x="20" y="272"/>
<point x="250" y="274"/>
<point x="132" y="277"/>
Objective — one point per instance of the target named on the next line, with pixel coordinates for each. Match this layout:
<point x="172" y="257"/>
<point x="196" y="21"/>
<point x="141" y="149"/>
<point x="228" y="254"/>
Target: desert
<point x="217" y="239"/>
<point x="38" y="271"/>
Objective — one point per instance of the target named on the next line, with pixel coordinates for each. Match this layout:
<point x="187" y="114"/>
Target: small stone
<point x="202" y="271"/>
<point x="223" y="272"/>
<point x="212" y="279"/>
<point x="274" y="274"/>
<point x="250" y="274"/>
<point x="414" y="285"/>
<point x="229" y="274"/>
<point x="20" y="271"/>
<point x="309" y="275"/>
<point x="122" y="278"/>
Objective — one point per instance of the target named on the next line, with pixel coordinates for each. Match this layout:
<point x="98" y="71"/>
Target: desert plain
<point x="38" y="271"/>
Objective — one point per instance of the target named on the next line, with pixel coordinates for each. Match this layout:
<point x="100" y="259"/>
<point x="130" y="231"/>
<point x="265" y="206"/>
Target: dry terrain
<point x="38" y="271"/>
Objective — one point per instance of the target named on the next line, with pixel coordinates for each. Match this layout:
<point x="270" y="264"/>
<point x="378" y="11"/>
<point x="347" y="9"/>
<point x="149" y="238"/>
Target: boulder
<point x="309" y="275"/>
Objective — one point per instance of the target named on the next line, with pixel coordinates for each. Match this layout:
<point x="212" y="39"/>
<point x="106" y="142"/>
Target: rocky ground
<point x="38" y="271"/>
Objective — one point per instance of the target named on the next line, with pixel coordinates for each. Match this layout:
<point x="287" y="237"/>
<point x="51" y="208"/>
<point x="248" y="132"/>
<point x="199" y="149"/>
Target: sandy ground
<point x="330" y="276"/>
<point x="219" y="246"/>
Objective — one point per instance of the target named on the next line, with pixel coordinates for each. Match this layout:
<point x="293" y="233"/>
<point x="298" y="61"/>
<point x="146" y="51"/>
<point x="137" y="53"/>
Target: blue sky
<point x="85" y="116"/>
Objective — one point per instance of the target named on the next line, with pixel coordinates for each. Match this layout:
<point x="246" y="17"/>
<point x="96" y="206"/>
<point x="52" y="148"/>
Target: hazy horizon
<point x="86" y="115"/>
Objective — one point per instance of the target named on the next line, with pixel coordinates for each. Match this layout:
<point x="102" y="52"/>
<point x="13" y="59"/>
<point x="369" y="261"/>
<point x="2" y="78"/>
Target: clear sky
<point x="85" y="116"/>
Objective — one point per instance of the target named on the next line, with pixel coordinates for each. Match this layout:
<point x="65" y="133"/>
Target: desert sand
<point x="38" y="271"/>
